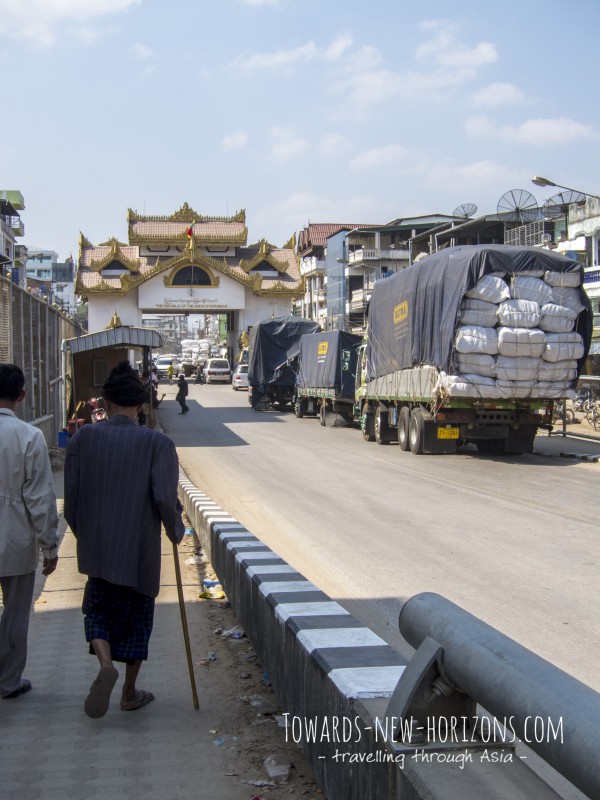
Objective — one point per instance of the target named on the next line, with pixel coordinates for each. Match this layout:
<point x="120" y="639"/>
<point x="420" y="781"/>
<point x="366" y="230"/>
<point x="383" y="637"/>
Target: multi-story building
<point x="312" y="241"/>
<point x="50" y="278"/>
<point x="11" y="227"/>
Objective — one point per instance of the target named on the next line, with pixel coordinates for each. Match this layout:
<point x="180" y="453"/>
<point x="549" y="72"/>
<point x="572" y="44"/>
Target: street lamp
<point x="546" y="182"/>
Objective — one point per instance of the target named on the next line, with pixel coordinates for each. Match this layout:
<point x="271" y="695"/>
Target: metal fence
<point x="31" y="333"/>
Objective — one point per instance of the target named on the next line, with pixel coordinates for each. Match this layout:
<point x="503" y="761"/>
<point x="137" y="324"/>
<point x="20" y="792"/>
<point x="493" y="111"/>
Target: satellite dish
<point x="558" y="204"/>
<point x="518" y="205"/>
<point x="466" y="210"/>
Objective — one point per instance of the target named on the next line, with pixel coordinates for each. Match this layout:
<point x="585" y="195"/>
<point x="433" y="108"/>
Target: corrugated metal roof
<point x="115" y="337"/>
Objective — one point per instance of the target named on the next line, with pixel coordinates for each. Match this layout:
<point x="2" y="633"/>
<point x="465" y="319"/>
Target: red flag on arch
<point x="190" y="230"/>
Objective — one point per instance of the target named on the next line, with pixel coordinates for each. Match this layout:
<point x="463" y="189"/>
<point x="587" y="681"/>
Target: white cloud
<point x="338" y="47"/>
<point x="334" y="144"/>
<point x="297" y="55"/>
<point x="279" y="58"/>
<point x="498" y="94"/>
<point x="380" y="157"/>
<point x="446" y="50"/>
<point x="141" y="51"/>
<point x="37" y="20"/>
<point x="539" y="132"/>
<point x="443" y="63"/>
<point x="287" y="143"/>
<point x="235" y="141"/>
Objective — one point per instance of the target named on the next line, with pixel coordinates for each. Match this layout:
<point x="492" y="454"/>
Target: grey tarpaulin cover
<point x="274" y="342"/>
<point x="321" y="361"/>
<point x="413" y="314"/>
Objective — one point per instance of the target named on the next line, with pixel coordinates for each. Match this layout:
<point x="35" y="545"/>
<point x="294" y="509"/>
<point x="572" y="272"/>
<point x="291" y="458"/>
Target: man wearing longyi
<point x="120" y="485"/>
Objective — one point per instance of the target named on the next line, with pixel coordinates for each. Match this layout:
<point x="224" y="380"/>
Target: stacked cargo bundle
<point x="517" y="340"/>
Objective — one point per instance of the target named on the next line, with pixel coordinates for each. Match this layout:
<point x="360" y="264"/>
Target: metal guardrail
<point x="461" y="661"/>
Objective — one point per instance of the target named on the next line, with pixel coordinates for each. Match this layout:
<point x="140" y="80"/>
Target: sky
<point x="297" y="111"/>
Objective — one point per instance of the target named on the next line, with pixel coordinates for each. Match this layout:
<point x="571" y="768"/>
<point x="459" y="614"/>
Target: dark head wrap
<point x="124" y="388"/>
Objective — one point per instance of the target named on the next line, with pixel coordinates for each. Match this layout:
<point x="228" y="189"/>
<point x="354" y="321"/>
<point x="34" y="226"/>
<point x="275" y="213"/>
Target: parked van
<point x="217" y="370"/>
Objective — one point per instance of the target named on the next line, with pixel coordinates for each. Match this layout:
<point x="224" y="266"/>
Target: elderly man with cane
<point x="120" y="486"/>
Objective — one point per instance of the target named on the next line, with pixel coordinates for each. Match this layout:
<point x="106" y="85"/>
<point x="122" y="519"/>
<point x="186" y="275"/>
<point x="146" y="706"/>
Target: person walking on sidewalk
<point x="170" y="372"/>
<point x="182" y="393"/>
<point x="28" y="523"/>
<point x="120" y="484"/>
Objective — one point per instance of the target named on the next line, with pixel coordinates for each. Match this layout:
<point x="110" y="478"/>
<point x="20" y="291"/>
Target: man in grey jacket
<point x="120" y="485"/>
<point x="28" y="523"/>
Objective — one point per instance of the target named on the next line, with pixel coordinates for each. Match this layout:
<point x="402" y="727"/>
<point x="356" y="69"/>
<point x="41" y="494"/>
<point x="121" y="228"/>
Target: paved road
<point x="513" y="540"/>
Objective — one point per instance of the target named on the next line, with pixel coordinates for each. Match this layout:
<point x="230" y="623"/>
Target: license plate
<point x="447" y="433"/>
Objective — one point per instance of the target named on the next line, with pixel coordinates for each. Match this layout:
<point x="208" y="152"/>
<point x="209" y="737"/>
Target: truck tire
<point x="368" y="426"/>
<point x="416" y="432"/>
<point x="403" y="428"/>
<point x="382" y="429"/>
<point x="300" y="407"/>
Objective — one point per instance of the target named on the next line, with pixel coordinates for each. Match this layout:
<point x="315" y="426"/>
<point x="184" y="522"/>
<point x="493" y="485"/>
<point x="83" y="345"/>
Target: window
<point x="191" y="276"/>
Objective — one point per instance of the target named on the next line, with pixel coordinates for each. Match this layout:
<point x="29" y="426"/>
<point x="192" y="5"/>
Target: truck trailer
<point x="272" y="351"/>
<point x="326" y="379"/>
<point x="472" y="344"/>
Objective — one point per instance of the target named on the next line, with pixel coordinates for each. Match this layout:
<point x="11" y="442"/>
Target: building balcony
<point x="591" y="278"/>
<point x="17" y="226"/>
<point x="358" y="256"/>
<point x="310" y="265"/>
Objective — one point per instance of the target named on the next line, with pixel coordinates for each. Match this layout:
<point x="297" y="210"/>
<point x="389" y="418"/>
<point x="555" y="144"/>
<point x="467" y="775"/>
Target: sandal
<point x="142" y="698"/>
<point x="97" y="702"/>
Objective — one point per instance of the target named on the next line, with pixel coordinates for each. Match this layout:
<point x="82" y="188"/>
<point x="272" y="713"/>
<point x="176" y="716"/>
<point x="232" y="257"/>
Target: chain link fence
<point x="31" y="334"/>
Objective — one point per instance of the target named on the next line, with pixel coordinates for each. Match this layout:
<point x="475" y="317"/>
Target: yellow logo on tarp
<point x="322" y="351"/>
<point x="401" y="312"/>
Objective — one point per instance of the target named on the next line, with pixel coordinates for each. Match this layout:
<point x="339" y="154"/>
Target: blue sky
<point x="296" y="110"/>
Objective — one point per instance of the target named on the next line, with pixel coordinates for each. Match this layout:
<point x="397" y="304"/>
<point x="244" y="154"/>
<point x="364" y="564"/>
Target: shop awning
<point x="124" y="336"/>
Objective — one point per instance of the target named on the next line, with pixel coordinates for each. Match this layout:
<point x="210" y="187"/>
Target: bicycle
<point x="560" y="412"/>
<point x="593" y="415"/>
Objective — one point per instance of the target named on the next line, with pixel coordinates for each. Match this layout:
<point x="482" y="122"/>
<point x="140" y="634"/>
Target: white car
<point x="162" y="364"/>
<point x="217" y="370"/>
<point x="240" y="378"/>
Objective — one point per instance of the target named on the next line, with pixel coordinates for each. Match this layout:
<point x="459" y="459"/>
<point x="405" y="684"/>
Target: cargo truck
<point x="326" y="378"/>
<point x="272" y="350"/>
<point x="472" y="345"/>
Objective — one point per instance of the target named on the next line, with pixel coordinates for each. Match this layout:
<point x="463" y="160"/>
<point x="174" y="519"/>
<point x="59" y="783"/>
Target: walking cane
<point x="186" y="636"/>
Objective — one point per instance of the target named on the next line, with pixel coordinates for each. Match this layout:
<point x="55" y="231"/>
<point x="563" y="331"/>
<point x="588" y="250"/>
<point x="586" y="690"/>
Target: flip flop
<point x="97" y="702"/>
<point x="142" y="698"/>
<point x="25" y="687"/>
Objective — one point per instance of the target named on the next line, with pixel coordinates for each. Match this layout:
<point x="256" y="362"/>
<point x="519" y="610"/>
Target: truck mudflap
<point x="438" y="438"/>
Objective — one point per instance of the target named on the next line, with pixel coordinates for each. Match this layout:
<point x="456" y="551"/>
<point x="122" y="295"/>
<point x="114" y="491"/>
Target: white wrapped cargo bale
<point x="527" y="288"/>
<point x="521" y="342"/>
<point x="563" y="347"/>
<point x="516" y="390"/>
<point x="553" y="390"/>
<point x="467" y="386"/>
<point x="476" y="339"/>
<point x="519" y="314"/>
<point x="557" y="319"/>
<point x="567" y="296"/>
<point x="477" y="363"/>
<point x="565" y="279"/>
<point x="489" y="288"/>
<point x="522" y="368"/>
<point x="557" y="370"/>
<point x="478" y="312"/>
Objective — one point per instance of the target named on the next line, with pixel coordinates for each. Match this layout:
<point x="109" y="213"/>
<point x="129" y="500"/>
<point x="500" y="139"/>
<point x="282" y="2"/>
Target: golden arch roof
<point x="162" y="245"/>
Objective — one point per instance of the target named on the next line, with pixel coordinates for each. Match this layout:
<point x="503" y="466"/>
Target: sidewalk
<point x="49" y="749"/>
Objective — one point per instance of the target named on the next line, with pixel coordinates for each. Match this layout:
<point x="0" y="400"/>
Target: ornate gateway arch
<point x="187" y="263"/>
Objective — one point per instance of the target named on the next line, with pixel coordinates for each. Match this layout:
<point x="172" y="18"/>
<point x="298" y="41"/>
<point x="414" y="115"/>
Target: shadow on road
<point x="208" y="427"/>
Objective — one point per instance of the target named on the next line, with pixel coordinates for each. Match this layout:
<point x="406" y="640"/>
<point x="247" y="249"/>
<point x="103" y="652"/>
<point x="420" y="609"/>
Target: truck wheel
<point x="403" y="428"/>
<point x="416" y="431"/>
<point x="300" y="407"/>
<point x="368" y="426"/>
<point x="382" y="430"/>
